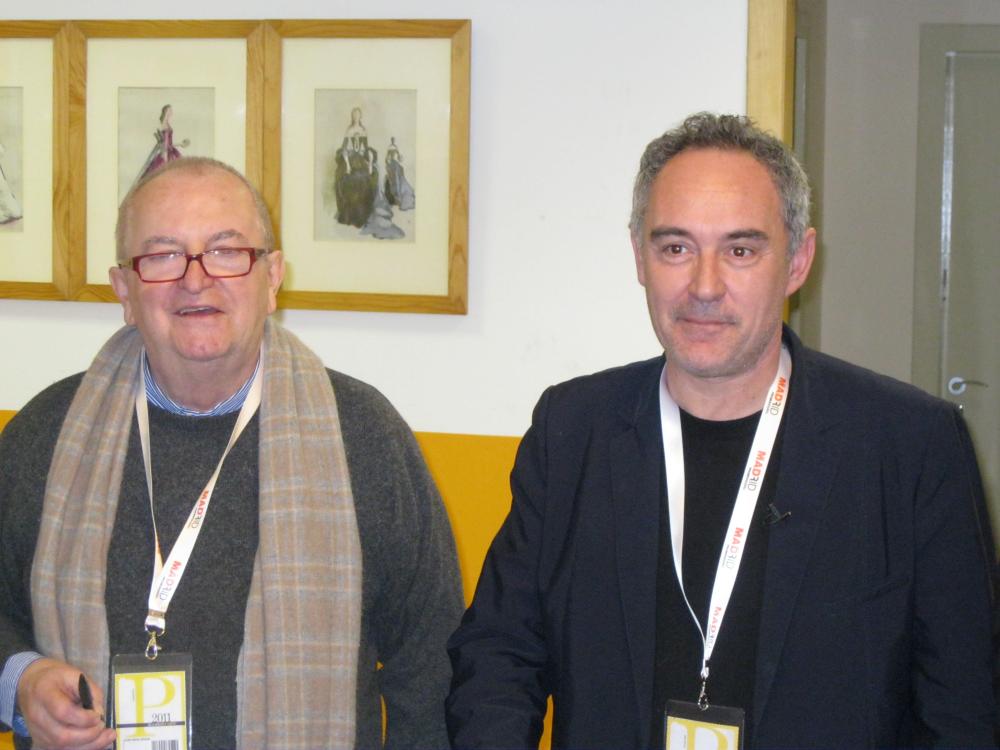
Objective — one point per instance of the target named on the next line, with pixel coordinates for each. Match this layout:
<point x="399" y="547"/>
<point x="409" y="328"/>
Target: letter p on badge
<point x="685" y="734"/>
<point x="688" y="727"/>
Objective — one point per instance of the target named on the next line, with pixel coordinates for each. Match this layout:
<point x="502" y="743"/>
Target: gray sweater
<point x="411" y="588"/>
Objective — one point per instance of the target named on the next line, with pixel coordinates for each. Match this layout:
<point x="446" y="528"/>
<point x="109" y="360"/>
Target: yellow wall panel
<point x="472" y="472"/>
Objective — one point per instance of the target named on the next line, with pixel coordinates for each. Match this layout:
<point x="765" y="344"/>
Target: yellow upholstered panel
<point x="472" y="472"/>
<point x="5" y="417"/>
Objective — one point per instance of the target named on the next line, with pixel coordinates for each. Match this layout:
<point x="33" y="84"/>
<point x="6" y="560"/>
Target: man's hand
<point x="49" y="701"/>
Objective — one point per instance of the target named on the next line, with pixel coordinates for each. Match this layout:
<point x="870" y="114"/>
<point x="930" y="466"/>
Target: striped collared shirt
<point x="158" y="398"/>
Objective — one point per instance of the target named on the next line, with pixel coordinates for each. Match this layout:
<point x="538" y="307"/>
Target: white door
<point x="963" y="85"/>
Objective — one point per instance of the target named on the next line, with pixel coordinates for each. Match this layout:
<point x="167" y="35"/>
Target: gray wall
<point x="866" y="179"/>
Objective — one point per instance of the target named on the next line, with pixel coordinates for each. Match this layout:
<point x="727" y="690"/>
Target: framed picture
<point x="34" y="223"/>
<point x="366" y="169"/>
<point x="202" y="97"/>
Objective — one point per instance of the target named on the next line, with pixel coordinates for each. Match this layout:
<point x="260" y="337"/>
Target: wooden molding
<point x="771" y="65"/>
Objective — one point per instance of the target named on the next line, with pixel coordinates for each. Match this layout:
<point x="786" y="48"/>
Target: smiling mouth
<point x="201" y="310"/>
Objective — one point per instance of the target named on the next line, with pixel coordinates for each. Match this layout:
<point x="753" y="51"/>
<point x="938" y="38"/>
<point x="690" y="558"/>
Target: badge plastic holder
<point x="151" y="701"/>
<point x="690" y="727"/>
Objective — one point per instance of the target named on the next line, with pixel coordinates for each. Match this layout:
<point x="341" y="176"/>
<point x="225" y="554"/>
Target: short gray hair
<point x="728" y="133"/>
<point x="198" y="165"/>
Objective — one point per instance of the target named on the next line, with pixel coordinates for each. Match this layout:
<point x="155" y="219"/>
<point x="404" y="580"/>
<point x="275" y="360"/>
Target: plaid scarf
<point x="297" y="670"/>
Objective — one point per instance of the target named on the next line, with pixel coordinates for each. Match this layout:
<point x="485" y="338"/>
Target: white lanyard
<point x="746" y="500"/>
<point x="166" y="577"/>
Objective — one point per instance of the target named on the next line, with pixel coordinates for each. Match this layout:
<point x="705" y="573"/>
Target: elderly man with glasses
<point x="233" y="544"/>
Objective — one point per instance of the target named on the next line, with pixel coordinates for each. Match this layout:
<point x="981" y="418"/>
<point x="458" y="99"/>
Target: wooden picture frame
<point x="36" y="261"/>
<point x="193" y="55"/>
<point x="421" y="85"/>
<point x="362" y="252"/>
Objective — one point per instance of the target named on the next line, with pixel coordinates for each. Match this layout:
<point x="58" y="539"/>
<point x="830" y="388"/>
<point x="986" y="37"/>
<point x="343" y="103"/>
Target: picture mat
<point x="26" y="255"/>
<point x="390" y="267"/>
<point x="181" y="63"/>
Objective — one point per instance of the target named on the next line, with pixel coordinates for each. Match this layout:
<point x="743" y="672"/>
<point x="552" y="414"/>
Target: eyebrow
<point x="736" y="234"/>
<point x="668" y="232"/>
<point x="226" y="234"/>
<point x="746" y="234"/>
<point x="161" y="239"/>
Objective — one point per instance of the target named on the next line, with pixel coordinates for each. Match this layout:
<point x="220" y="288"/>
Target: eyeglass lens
<point x="219" y="262"/>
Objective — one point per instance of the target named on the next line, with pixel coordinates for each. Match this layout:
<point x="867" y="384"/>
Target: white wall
<point x="565" y="95"/>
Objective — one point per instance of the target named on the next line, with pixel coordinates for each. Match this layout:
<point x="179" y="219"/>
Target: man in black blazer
<point x="744" y="543"/>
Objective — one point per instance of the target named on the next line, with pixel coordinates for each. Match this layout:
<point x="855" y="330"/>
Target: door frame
<point x="771" y="65"/>
<point x="771" y="70"/>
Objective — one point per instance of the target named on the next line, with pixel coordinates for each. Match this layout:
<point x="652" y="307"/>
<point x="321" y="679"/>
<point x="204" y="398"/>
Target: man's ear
<point x="801" y="262"/>
<point x="119" y="283"/>
<point x="275" y="275"/>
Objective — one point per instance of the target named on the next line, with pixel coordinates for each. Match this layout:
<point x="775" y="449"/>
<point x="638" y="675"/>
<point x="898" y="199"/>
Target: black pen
<point x="86" y="697"/>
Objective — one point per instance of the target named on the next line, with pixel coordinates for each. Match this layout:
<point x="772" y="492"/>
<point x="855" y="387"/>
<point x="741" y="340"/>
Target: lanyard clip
<point x="152" y="647"/>
<point x="703" y="695"/>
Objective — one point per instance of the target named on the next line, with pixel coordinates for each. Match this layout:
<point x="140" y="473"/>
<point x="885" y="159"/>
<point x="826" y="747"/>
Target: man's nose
<point x="195" y="279"/>
<point x="706" y="280"/>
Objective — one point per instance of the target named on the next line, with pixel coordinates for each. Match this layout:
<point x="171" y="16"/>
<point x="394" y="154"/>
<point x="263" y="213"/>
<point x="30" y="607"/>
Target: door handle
<point x="957" y="385"/>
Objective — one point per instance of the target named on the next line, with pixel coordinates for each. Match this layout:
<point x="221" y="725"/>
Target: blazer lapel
<point x="809" y="461"/>
<point x="636" y="455"/>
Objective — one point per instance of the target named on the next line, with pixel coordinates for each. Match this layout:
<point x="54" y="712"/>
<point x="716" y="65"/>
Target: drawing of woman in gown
<point x="164" y="150"/>
<point x="356" y="176"/>
<point x="10" y="209"/>
<point x="398" y="190"/>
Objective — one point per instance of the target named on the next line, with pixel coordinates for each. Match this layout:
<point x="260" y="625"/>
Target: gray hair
<point x="198" y="165"/>
<point x="728" y="133"/>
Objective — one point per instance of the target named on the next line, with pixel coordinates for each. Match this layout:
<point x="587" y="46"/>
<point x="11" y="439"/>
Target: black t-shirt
<point x="715" y="454"/>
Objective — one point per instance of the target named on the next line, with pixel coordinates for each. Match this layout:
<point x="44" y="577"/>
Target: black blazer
<point x="875" y="620"/>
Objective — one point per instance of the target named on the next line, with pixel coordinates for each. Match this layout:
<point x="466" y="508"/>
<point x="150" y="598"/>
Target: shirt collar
<point x="156" y="396"/>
